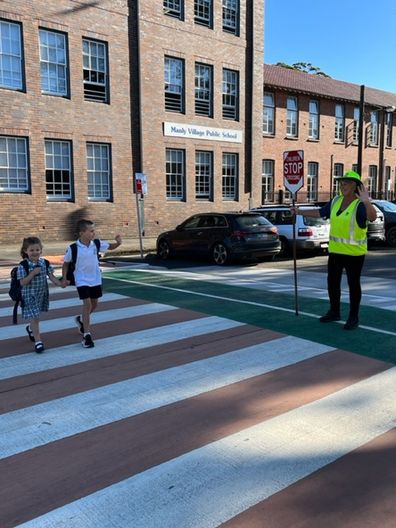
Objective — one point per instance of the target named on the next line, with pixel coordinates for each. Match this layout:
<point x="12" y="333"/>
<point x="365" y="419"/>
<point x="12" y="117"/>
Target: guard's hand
<point x="362" y="193"/>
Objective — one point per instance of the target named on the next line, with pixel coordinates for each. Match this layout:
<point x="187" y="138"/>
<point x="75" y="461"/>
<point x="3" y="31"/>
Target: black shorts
<point x="89" y="292"/>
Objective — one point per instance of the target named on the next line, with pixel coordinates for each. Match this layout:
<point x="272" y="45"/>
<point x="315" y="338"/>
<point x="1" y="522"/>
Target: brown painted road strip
<point x="357" y="490"/>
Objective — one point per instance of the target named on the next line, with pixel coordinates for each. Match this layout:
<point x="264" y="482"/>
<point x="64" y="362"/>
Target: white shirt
<point x="87" y="272"/>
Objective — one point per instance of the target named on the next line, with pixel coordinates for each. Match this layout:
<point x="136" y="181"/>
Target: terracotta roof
<point x="296" y="81"/>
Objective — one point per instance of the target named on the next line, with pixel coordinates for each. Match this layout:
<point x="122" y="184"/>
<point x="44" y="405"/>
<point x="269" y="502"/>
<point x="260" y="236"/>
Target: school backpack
<point x="15" y="291"/>
<point x="72" y="264"/>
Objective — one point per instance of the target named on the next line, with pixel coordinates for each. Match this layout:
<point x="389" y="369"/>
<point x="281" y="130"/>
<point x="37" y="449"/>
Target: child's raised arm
<point x="118" y="242"/>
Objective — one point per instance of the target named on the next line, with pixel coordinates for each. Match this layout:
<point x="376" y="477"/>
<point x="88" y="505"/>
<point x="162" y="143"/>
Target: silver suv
<point x="311" y="233"/>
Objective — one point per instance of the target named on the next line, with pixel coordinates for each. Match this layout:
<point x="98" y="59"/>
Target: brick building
<point x="321" y="116"/>
<point x="94" y="92"/>
<point x="65" y="127"/>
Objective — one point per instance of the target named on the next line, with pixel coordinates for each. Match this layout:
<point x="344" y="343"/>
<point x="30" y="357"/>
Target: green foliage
<point x="306" y="67"/>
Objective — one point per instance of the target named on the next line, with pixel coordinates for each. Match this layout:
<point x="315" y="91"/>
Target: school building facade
<point x="93" y="93"/>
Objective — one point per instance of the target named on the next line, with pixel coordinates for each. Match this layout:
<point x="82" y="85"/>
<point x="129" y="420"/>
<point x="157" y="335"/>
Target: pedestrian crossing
<point x="177" y="419"/>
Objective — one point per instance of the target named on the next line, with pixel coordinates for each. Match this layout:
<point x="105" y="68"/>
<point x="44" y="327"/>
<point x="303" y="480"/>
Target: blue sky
<point x="350" y="40"/>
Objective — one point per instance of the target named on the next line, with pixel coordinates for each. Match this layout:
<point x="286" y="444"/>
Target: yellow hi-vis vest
<point x="346" y="237"/>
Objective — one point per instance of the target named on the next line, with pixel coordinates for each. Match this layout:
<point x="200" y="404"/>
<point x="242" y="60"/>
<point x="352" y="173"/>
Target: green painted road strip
<point x="376" y="337"/>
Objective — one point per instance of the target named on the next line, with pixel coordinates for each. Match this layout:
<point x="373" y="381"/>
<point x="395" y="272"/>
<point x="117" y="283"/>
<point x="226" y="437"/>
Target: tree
<point x="306" y="67"/>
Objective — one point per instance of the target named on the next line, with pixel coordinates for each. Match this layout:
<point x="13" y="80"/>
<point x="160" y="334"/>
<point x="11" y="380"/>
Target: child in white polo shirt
<point x="87" y="275"/>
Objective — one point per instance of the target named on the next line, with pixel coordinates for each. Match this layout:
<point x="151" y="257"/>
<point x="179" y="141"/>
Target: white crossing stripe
<point x="110" y="346"/>
<point x="212" y="484"/>
<point x="77" y="413"/>
<point x="102" y="316"/>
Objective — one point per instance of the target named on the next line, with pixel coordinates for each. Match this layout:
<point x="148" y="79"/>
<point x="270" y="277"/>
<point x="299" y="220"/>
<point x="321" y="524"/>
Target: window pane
<point x="13" y="164"/>
<point x="10" y="56"/>
<point x="53" y="63"/>
<point x="57" y="169"/>
<point x="95" y="73"/>
<point x="98" y="171"/>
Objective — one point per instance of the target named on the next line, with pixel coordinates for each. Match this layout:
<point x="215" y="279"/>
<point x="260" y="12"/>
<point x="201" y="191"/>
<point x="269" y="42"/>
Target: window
<point x="312" y="181"/>
<point x="203" y="12"/>
<point x="388" y="183"/>
<point x="231" y="16"/>
<point x="354" y="167"/>
<point x="230" y="94"/>
<point x="373" y="136"/>
<point x="14" y="175"/>
<point x="230" y="177"/>
<point x="11" y="58"/>
<point x="175" y="174"/>
<point x="356" y="119"/>
<point x="389" y="128"/>
<point x="53" y="63"/>
<point x="174" y="8"/>
<point x="269" y="113"/>
<point x="338" y="170"/>
<point x="339" y="123"/>
<point x="203" y="90"/>
<point x="372" y="180"/>
<point x="174" y="85"/>
<point x="313" y="131"/>
<point x="98" y="171"/>
<point x="58" y="169"/>
<point x="203" y="175"/>
<point x="95" y="71"/>
<point x="267" y="181"/>
<point x="292" y="117"/>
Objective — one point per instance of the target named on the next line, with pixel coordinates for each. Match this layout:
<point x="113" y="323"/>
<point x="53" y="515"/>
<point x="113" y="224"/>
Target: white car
<point x="311" y="233"/>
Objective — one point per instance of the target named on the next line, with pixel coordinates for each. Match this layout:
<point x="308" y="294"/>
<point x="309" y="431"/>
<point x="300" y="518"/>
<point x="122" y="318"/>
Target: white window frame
<point x="99" y="172"/>
<point x="203" y="13"/>
<point x="356" y="120"/>
<point x="14" y="170"/>
<point x="312" y="181"/>
<point x="174" y="8"/>
<point x="230" y="104"/>
<point x="203" y="175"/>
<point x="58" y="169"/>
<point x="203" y="89"/>
<point x="292" y="116"/>
<point x="313" y="128"/>
<point x="230" y="176"/>
<point x="372" y="180"/>
<point x="338" y="170"/>
<point x="53" y="63"/>
<point x="175" y="174"/>
<point x="95" y="71"/>
<point x="269" y="113"/>
<point x="174" y="84"/>
<point x="339" y="123"/>
<point x="11" y="55"/>
<point x="389" y="128"/>
<point x="231" y="16"/>
<point x="374" y="129"/>
<point x="267" y="180"/>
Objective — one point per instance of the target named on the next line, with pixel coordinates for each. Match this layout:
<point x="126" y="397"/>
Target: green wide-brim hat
<point x="350" y="175"/>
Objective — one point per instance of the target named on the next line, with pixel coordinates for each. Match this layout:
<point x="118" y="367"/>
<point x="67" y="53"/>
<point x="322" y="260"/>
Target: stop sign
<point x="293" y="170"/>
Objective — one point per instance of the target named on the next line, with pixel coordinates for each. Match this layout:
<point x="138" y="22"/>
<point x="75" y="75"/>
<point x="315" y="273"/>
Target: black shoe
<point x="87" y="341"/>
<point x="30" y="333"/>
<point x="39" y="347"/>
<point x="79" y="324"/>
<point x="330" y="316"/>
<point x="351" y="324"/>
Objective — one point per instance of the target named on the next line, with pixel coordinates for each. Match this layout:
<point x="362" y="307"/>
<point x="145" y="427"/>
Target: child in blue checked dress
<point x="35" y="294"/>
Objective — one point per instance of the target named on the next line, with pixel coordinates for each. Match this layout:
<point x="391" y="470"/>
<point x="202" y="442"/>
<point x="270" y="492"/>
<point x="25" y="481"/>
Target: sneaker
<point x="30" y="333"/>
<point x="87" y="341"/>
<point x="330" y="316"/>
<point x="79" y="324"/>
<point x="39" y="347"/>
<point x="351" y="324"/>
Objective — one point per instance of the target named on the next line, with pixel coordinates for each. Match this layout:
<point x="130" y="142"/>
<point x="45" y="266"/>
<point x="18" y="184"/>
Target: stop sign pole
<point x="293" y="179"/>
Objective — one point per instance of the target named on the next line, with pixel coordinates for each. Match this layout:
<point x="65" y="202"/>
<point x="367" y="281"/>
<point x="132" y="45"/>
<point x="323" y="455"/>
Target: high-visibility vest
<point x="346" y="236"/>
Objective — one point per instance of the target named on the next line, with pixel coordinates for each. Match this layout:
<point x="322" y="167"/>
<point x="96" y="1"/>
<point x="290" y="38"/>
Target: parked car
<point x="221" y="236"/>
<point x="376" y="228"/>
<point x="311" y="233"/>
<point x="389" y="211"/>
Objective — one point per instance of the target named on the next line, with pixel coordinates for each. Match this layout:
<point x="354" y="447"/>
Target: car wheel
<point x="391" y="236"/>
<point x="163" y="250"/>
<point x="284" y="247"/>
<point x="220" y="254"/>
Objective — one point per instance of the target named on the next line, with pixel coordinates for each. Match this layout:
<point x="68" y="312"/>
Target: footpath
<point x="54" y="252"/>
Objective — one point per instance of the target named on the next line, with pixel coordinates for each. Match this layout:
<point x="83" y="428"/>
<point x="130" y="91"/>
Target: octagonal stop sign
<point x="293" y="170"/>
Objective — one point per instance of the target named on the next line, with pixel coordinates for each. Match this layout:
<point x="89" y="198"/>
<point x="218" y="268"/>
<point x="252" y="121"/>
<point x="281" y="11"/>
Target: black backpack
<point x="72" y="264"/>
<point x="15" y="291"/>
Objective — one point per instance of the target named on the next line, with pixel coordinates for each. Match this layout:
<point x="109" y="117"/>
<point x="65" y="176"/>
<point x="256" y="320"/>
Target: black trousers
<point x="353" y="268"/>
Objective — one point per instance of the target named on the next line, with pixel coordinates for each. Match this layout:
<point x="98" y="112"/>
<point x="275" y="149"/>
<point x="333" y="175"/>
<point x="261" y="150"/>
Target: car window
<point x="389" y="207"/>
<point x="250" y="221"/>
<point x="315" y="221"/>
<point x="285" y="217"/>
<point x="271" y="216"/>
<point x="192" y="222"/>
<point x="221" y="221"/>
